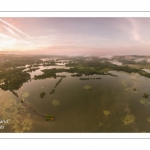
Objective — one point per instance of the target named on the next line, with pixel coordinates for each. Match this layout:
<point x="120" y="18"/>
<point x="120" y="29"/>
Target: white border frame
<point x="74" y="135"/>
<point x="74" y="14"/>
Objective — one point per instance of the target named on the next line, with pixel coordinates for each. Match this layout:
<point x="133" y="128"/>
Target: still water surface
<point x="111" y="104"/>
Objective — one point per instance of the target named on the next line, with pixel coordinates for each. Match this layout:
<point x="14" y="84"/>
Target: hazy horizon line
<point x="8" y="53"/>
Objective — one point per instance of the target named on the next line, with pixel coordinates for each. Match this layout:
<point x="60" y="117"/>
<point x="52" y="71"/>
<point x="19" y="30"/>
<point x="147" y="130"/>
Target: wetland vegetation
<point x="86" y="94"/>
<point x="42" y="94"/>
<point x="52" y="91"/>
<point x="13" y="79"/>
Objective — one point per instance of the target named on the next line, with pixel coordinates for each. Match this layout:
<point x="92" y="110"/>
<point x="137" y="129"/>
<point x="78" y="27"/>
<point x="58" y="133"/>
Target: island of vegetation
<point x="49" y="117"/>
<point x="106" y="112"/>
<point x="32" y="69"/>
<point x="128" y="119"/>
<point x="12" y="74"/>
<point x="145" y="95"/>
<point x="80" y="66"/>
<point x="13" y="79"/>
<point x="55" y="102"/>
<point x="42" y="94"/>
<point x="145" y="102"/>
<point x="52" y="91"/>
<point x="58" y="82"/>
<point x="89" y="78"/>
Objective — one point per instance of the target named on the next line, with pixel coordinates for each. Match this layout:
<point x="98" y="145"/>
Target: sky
<point x="75" y="36"/>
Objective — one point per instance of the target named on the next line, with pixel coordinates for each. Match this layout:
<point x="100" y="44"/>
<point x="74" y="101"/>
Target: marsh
<point x="114" y="103"/>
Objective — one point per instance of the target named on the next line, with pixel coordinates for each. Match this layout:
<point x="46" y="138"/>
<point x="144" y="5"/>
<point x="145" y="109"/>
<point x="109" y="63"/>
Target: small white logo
<point x="4" y="121"/>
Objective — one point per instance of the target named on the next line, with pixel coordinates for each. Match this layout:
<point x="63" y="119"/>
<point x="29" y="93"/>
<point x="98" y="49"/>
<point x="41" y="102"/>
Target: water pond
<point x="103" y="103"/>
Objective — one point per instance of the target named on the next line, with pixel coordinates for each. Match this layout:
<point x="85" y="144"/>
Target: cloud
<point x="14" y="28"/>
<point x="106" y="56"/>
<point x="148" y="60"/>
<point x="12" y="32"/>
<point x="5" y="36"/>
<point x="139" y="60"/>
<point x="134" y="31"/>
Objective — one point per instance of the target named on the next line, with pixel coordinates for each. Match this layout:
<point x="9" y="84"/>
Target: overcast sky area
<point x="75" y="36"/>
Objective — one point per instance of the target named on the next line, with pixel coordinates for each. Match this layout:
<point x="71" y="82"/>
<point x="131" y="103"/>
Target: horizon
<point x="91" y="36"/>
<point x="61" y="55"/>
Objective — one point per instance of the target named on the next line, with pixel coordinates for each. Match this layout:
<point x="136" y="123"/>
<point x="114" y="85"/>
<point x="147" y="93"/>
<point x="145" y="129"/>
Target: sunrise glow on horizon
<point x="75" y="36"/>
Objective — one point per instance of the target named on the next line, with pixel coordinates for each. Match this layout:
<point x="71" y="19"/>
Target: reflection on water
<point x="39" y="72"/>
<point x="116" y="63"/>
<point x="112" y="104"/>
<point x="146" y="70"/>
